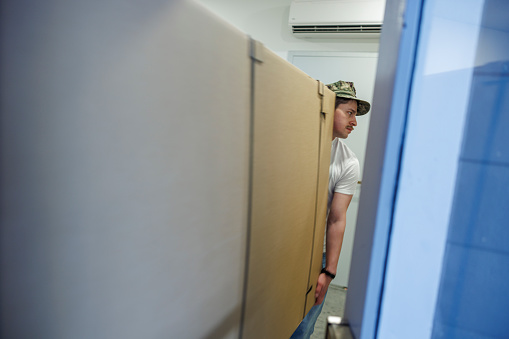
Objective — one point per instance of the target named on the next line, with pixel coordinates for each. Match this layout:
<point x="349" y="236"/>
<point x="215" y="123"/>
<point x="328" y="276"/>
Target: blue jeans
<point x="307" y="325"/>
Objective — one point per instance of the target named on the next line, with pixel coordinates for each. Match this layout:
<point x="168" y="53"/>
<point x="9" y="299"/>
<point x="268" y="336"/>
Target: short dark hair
<point x="340" y="101"/>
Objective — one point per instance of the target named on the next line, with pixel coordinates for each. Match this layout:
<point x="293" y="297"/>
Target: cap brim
<point x="363" y="106"/>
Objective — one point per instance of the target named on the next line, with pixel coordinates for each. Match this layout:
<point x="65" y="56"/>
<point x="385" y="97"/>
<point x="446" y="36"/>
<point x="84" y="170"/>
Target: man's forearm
<point x="335" y="233"/>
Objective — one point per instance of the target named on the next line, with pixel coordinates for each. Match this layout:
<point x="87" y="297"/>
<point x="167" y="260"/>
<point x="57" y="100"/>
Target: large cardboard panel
<point x="124" y="170"/>
<point x="327" y="120"/>
<point x="288" y="132"/>
<point x="125" y="176"/>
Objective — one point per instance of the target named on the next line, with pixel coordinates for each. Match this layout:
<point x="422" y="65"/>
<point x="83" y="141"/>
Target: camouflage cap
<point x="346" y="89"/>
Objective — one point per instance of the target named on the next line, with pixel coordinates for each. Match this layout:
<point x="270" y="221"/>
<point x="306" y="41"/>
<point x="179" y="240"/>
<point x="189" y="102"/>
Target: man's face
<point x="344" y="119"/>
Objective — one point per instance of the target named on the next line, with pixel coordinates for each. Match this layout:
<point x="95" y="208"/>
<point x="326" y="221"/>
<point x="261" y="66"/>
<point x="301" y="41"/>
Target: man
<point x="344" y="174"/>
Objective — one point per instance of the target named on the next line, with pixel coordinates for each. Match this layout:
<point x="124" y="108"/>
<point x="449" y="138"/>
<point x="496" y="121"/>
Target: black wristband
<point x="327" y="273"/>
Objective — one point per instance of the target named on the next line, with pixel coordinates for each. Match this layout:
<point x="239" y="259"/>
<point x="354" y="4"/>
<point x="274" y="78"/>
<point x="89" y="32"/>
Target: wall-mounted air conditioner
<point x="336" y="18"/>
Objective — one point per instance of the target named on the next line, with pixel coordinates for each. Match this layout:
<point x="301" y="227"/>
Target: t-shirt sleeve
<point x="347" y="184"/>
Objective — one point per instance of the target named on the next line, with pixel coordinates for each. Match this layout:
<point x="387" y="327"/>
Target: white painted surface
<point x="267" y="22"/>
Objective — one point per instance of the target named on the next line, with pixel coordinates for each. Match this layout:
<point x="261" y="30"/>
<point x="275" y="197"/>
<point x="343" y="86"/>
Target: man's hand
<point x="321" y="288"/>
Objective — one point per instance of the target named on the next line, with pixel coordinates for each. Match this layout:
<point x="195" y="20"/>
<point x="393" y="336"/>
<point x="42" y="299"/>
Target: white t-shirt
<point x="344" y="170"/>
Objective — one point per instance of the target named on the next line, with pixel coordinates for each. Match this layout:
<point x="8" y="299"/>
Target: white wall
<point x="267" y="22"/>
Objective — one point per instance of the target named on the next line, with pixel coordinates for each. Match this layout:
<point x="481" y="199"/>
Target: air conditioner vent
<point x="321" y="29"/>
<point x="336" y="19"/>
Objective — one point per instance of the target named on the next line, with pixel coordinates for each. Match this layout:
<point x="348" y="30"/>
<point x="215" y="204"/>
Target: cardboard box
<point x="292" y="134"/>
<point x="163" y="176"/>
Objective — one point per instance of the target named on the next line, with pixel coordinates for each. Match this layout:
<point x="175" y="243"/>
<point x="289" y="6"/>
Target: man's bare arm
<point x="336" y="224"/>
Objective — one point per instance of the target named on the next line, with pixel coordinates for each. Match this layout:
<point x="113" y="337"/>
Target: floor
<point x="334" y="305"/>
